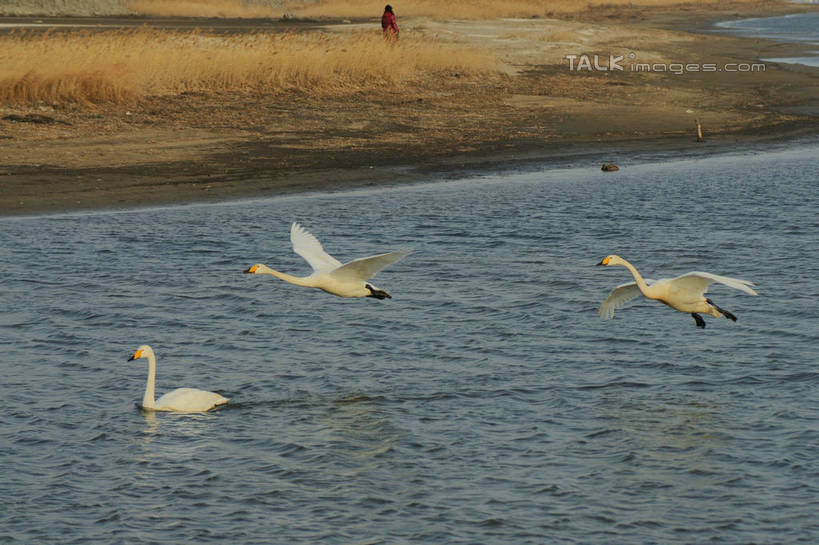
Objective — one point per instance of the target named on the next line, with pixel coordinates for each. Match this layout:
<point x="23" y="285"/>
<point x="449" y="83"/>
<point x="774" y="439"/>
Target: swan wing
<point x="698" y="282"/>
<point x="366" y="267"/>
<point x="189" y="400"/>
<point x="308" y="247"/>
<point x="618" y="297"/>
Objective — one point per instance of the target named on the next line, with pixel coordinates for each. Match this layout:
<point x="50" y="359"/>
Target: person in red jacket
<point x="388" y="23"/>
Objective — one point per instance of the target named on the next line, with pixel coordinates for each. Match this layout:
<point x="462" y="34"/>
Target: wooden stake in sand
<point x="699" y="131"/>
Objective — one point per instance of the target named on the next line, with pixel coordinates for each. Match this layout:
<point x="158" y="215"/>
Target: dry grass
<point x="561" y="36"/>
<point x="63" y="7"/>
<point x="118" y="66"/>
<point x="206" y="8"/>
<point x="454" y="9"/>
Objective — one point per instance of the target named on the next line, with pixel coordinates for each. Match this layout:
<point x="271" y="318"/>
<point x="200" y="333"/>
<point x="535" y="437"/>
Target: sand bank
<point x="200" y="147"/>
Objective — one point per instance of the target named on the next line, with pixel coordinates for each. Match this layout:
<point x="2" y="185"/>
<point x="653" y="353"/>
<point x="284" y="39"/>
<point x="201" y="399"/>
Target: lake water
<point x="797" y="27"/>
<point x="485" y="403"/>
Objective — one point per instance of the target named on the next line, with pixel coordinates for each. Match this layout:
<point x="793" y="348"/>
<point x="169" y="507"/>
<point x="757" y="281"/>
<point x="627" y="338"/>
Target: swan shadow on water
<point x="177" y="424"/>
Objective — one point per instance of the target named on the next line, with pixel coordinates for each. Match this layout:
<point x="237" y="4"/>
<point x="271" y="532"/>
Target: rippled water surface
<point x="485" y="403"/>
<point x="796" y="27"/>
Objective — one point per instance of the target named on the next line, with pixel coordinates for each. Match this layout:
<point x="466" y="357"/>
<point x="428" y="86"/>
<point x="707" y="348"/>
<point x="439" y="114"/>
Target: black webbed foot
<point x="725" y="313"/>
<point x="699" y="320"/>
<point x="378" y="294"/>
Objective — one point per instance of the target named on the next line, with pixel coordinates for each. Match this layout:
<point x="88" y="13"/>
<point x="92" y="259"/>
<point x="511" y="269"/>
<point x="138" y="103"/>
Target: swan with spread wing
<point x="329" y="274"/>
<point x="684" y="293"/>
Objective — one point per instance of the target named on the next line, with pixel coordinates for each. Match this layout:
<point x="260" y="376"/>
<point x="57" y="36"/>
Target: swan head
<point x="143" y="351"/>
<point x="256" y="269"/>
<point x="612" y="260"/>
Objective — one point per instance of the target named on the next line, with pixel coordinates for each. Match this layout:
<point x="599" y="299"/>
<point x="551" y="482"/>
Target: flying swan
<point x="683" y="293"/>
<point x="348" y="280"/>
<point x="188" y="400"/>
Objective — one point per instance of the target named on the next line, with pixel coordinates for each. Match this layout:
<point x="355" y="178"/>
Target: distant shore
<point x="209" y="148"/>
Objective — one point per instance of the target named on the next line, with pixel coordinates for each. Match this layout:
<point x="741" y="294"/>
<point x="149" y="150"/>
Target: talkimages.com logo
<point x="627" y="63"/>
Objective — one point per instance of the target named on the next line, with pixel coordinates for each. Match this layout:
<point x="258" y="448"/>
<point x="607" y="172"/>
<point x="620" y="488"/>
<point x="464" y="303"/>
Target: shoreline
<point x="61" y="169"/>
<point x="197" y="191"/>
<point x="515" y="166"/>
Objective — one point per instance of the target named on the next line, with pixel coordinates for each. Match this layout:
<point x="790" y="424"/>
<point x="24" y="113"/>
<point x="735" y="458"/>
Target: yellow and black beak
<point x="252" y="269"/>
<point x="136" y="356"/>
<point x="604" y="262"/>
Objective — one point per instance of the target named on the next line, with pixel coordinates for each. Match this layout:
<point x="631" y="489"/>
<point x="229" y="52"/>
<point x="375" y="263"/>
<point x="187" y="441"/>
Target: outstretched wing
<point x="366" y="267"/>
<point x="308" y="247"/>
<point x="699" y="281"/>
<point x="618" y="297"/>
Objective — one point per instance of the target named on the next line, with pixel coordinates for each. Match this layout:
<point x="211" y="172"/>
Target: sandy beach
<point x="210" y="147"/>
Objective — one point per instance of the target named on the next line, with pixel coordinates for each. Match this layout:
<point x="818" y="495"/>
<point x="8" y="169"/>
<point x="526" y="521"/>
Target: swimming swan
<point x="188" y="400"/>
<point x="348" y="280"/>
<point x="683" y="293"/>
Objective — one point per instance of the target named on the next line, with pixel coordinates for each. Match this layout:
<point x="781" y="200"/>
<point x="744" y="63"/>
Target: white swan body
<point x="684" y="293"/>
<point x="188" y="400"/>
<point x="347" y="280"/>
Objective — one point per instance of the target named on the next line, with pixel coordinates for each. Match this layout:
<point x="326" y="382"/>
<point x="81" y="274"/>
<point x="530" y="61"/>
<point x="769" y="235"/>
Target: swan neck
<point x="148" y="398"/>
<point x="638" y="278"/>
<point x="297" y="280"/>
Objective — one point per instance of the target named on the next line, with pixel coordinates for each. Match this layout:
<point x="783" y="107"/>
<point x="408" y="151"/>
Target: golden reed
<point x="453" y="9"/>
<point x="100" y="67"/>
